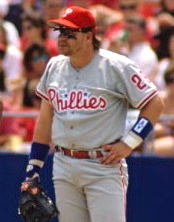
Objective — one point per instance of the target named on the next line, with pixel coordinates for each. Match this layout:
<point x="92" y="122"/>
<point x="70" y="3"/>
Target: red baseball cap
<point x="75" y="17"/>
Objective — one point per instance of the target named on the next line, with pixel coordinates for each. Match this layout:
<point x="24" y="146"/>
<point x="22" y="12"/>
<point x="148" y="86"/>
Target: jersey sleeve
<point x="139" y="89"/>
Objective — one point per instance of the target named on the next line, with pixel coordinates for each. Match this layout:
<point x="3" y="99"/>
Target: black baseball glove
<point x="35" y="205"/>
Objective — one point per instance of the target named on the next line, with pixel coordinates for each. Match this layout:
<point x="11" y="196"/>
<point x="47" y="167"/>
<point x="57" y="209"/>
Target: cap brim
<point x="62" y="22"/>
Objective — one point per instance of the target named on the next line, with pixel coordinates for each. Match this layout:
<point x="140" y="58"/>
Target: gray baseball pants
<point x="87" y="191"/>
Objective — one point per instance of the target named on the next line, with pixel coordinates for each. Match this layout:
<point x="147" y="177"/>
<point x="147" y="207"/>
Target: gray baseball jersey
<point x="90" y="104"/>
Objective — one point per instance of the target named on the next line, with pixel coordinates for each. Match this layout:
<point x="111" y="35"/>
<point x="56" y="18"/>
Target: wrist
<point x="36" y="159"/>
<point x="138" y="133"/>
<point x="132" y="140"/>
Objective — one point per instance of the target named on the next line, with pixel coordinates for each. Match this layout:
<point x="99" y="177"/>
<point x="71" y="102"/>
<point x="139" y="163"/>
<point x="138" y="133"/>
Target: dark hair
<point x="28" y="55"/>
<point x="2" y="81"/>
<point x="96" y="43"/>
<point x="2" y="53"/>
<point x="164" y="36"/>
<point x="169" y="75"/>
<point x="37" y="21"/>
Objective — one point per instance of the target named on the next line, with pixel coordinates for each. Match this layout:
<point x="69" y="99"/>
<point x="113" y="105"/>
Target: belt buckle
<point x="92" y="154"/>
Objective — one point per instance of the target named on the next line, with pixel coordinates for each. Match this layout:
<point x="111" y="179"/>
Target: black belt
<point x="80" y="154"/>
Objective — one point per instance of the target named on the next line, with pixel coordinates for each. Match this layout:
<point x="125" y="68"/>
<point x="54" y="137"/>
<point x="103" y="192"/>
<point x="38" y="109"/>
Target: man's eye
<point x="68" y="33"/>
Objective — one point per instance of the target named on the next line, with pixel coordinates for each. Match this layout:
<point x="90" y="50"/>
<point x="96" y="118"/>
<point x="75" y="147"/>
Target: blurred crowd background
<point x="142" y="30"/>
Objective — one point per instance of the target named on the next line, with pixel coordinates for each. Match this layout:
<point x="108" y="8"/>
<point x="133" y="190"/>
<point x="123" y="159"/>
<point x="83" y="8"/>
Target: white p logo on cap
<point x="68" y="11"/>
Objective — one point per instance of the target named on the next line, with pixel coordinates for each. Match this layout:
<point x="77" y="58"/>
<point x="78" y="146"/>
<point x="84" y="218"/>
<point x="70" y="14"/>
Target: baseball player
<point x="86" y="92"/>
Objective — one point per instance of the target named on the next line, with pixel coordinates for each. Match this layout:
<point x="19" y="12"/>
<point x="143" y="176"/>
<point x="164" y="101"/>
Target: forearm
<point x="152" y="110"/>
<point x="144" y="125"/>
<point x="42" y="131"/>
<point x="41" y="141"/>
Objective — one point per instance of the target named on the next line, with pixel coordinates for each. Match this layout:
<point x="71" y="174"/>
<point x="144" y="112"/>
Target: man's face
<point x="129" y="7"/>
<point x="71" y="42"/>
<point x="169" y="4"/>
<point x="135" y="33"/>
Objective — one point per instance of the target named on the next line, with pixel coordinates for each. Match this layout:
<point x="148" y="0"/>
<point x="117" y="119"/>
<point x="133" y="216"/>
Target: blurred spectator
<point x="31" y="6"/>
<point x="165" y="20"/>
<point x="13" y="15"/>
<point x="168" y="57"/>
<point x="135" y="27"/>
<point x="131" y="8"/>
<point x="26" y="124"/>
<point x="116" y="40"/>
<point x="164" y="130"/>
<point x="108" y="22"/>
<point x="10" y="136"/>
<point x="51" y="9"/>
<point x="17" y="7"/>
<point x="165" y="15"/>
<point x="12" y="69"/>
<point x="11" y="30"/>
<point x="34" y="30"/>
<point x="35" y="60"/>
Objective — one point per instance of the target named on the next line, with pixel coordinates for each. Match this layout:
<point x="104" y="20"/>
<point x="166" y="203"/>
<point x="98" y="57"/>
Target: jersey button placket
<point x="77" y="76"/>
